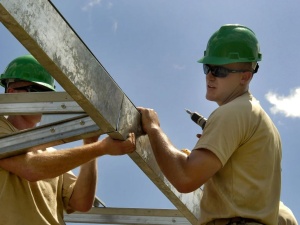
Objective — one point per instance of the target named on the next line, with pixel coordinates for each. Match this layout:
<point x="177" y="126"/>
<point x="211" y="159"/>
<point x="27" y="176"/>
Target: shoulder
<point x="236" y="110"/>
<point x="241" y="109"/>
<point x="6" y="127"/>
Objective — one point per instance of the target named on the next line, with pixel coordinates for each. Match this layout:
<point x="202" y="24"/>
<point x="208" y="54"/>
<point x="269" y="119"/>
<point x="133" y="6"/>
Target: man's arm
<point x="84" y="191"/>
<point x="40" y="165"/>
<point x="186" y="173"/>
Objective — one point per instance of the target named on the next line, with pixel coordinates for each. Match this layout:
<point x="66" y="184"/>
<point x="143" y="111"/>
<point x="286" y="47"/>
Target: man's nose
<point x="209" y="76"/>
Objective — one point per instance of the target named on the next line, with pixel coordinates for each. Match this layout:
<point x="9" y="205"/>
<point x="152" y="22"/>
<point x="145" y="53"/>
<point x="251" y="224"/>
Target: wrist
<point x="154" y="129"/>
<point x="87" y="142"/>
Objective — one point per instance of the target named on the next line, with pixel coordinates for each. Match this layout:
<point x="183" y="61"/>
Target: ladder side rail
<point x="72" y="64"/>
<point x="48" y="135"/>
<point x="66" y="57"/>
<point x="128" y="216"/>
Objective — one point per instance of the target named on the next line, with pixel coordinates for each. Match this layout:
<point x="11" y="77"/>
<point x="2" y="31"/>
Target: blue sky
<point x="151" y="48"/>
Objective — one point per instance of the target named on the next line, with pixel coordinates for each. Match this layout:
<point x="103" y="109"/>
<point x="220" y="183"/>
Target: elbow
<point x="83" y="207"/>
<point x="32" y="179"/>
<point x="32" y="173"/>
<point x="31" y="176"/>
<point x="81" y="204"/>
<point x="186" y="187"/>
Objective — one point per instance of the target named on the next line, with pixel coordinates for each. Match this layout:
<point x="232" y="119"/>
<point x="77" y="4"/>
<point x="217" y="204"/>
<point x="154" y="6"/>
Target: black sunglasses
<point x="219" y="71"/>
<point x="32" y="88"/>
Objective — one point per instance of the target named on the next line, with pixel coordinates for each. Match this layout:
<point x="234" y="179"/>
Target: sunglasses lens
<point x="34" y="89"/>
<point x="220" y="72"/>
<point x="31" y="88"/>
<point x="206" y="69"/>
<point x="216" y="71"/>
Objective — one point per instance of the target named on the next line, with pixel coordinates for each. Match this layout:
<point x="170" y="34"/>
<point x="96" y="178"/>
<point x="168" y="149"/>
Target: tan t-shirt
<point x="41" y="202"/>
<point x="248" y="145"/>
<point x="286" y="216"/>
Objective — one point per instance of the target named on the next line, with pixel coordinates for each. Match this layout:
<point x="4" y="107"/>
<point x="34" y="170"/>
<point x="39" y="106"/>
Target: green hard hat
<point x="230" y="44"/>
<point x="27" y="68"/>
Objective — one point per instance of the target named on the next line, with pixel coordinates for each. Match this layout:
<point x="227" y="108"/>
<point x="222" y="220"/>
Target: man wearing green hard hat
<point x="27" y="69"/>
<point x="238" y="156"/>
<point x="38" y="187"/>
<point x="25" y="74"/>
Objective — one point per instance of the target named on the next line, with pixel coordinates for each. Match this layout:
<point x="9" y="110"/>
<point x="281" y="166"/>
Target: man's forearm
<point x="35" y="166"/>
<point x="85" y="188"/>
<point x="170" y="160"/>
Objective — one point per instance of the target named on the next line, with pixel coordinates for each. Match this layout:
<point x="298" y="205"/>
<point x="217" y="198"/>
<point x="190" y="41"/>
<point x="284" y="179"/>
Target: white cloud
<point x="178" y="67"/>
<point x="287" y="105"/>
<point x="91" y="4"/>
<point x="109" y="5"/>
<point x="115" y="26"/>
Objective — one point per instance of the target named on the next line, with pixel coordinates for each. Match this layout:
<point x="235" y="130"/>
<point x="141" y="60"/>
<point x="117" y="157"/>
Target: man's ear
<point x="246" y="77"/>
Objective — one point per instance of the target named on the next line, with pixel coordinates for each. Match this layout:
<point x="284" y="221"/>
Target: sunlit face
<point x="17" y="87"/>
<point x="224" y="89"/>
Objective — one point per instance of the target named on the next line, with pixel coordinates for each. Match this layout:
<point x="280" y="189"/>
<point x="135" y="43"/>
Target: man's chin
<point x="209" y="98"/>
<point x="34" y="118"/>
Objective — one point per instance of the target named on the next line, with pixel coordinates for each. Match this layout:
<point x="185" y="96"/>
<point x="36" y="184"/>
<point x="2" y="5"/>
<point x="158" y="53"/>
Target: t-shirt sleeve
<point x="69" y="180"/>
<point x="223" y="133"/>
<point x="5" y="127"/>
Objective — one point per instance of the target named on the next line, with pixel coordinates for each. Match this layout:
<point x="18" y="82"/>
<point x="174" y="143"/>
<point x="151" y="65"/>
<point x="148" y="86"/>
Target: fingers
<point x="132" y="141"/>
<point x="143" y="110"/>
<point x="199" y="135"/>
<point x="140" y="109"/>
<point x="132" y="138"/>
<point x="118" y="147"/>
<point x="149" y="119"/>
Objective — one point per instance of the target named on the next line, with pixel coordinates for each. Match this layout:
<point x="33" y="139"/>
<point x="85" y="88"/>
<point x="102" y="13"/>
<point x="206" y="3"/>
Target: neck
<point x="233" y="95"/>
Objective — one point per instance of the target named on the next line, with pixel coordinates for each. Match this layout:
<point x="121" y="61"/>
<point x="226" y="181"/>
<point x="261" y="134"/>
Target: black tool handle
<point x="199" y="119"/>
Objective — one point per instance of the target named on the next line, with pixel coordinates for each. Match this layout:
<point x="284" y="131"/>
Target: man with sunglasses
<point x="38" y="186"/>
<point x="238" y="156"/>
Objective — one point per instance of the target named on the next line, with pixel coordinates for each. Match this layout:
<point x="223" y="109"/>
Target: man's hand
<point x="117" y="147"/>
<point x="91" y="139"/>
<point x="149" y="119"/>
